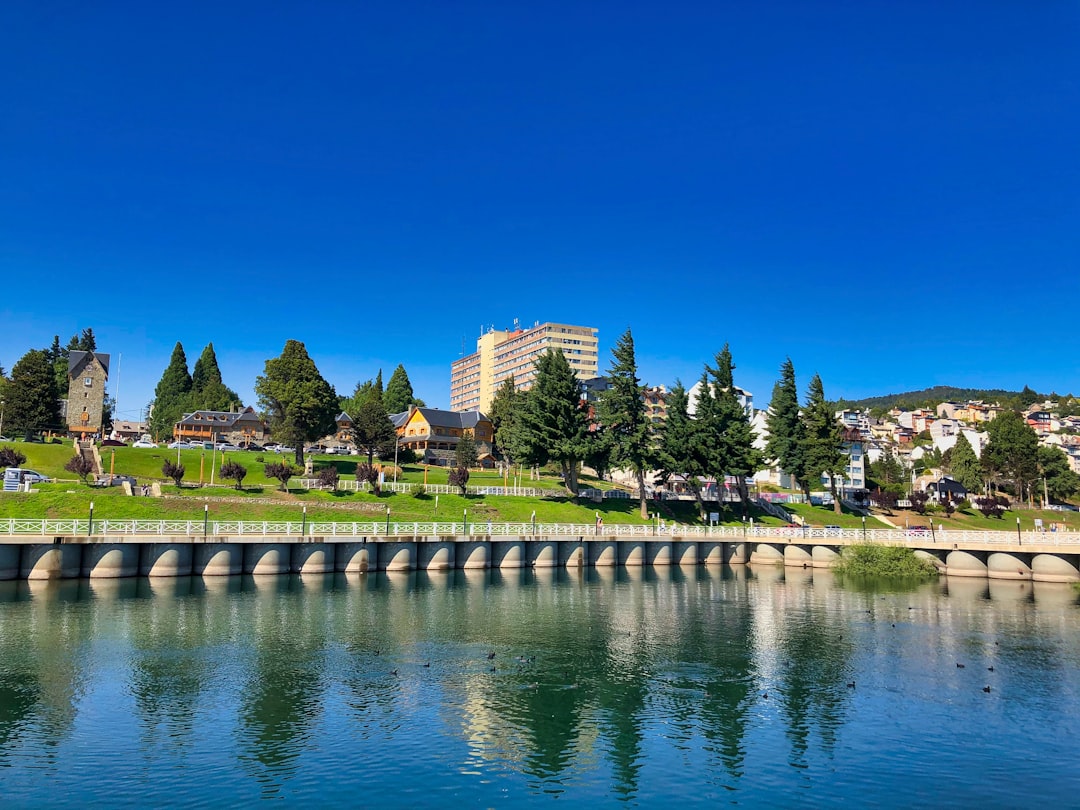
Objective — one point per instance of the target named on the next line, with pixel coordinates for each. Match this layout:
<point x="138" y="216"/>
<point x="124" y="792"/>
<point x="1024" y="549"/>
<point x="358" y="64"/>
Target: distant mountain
<point x="932" y="397"/>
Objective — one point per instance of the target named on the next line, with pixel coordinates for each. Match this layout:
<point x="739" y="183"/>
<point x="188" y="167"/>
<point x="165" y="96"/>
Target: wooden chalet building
<point x="434" y="434"/>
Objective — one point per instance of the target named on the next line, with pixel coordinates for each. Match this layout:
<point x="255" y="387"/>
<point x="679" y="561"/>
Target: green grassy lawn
<point x="973" y="519"/>
<point x="47" y="459"/>
<point x="68" y="500"/>
<point x="818" y="516"/>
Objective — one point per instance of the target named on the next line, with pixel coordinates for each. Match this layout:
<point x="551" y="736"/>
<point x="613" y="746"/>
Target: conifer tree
<point x="555" y="420"/>
<point x="170" y="395"/>
<point x="741" y="459"/>
<point x="679" y="444"/>
<point x="466" y="454"/>
<point x="299" y="403"/>
<point x="372" y="431"/>
<point x="505" y="420"/>
<point x="628" y="435"/>
<point x="784" y="444"/>
<point x="31" y="401"/>
<point x="399" y="392"/>
<point x="822" y="441"/>
<point x="58" y="356"/>
<point x="208" y="391"/>
<point x="965" y="464"/>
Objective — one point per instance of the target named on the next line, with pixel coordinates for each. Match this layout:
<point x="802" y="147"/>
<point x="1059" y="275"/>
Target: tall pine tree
<point x="965" y="464"/>
<point x="399" y="396"/>
<point x="505" y="421"/>
<point x="677" y="441"/>
<point x="741" y="459"/>
<point x="372" y="431"/>
<point x="627" y="429"/>
<point x="170" y="395"/>
<point x="555" y="421"/>
<point x="784" y="443"/>
<point x="208" y="391"/>
<point x="31" y="401"/>
<point x="822" y="441"/>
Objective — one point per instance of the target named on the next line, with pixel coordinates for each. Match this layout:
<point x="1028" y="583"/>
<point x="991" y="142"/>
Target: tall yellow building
<point x="503" y="352"/>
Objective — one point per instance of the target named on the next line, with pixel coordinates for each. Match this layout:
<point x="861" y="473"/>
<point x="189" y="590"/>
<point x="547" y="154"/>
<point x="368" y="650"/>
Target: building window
<point x="88" y="381"/>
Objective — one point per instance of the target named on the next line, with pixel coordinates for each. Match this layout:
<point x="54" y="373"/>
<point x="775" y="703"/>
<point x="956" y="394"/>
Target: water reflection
<point x="613" y="682"/>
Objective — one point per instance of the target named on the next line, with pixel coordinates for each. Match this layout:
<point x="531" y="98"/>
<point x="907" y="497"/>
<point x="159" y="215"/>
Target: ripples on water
<point x="747" y="686"/>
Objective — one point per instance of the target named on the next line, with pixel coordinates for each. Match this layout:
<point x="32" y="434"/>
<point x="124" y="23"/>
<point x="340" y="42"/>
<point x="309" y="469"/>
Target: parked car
<point x="227" y="447"/>
<point x="178" y="445"/>
<point x="33" y="477"/>
<point x="5" y="439"/>
<point x="281" y="448"/>
<point x="254" y="448"/>
<point x="113" y="443"/>
<point x="143" y="444"/>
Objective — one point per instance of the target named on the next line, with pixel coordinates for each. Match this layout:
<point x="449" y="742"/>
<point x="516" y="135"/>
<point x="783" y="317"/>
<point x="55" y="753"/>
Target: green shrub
<point x="871" y="559"/>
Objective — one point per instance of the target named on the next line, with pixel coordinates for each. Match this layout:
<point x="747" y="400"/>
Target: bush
<point x="281" y="471"/>
<point x="420" y="491"/>
<point x="10" y="457"/>
<point x="963" y="506"/>
<point x="328" y="477"/>
<point x="234" y="471"/>
<point x="459" y="477"/>
<point x="173" y="471"/>
<point x="81" y="466"/>
<point x="918" y="502"/>
<point x="990" y="506"/>
<point x="369" y="473"/>
<point x="883" y="561"/>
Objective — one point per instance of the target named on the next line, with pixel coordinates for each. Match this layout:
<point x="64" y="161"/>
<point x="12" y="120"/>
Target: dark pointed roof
<point x="77" y="361"/>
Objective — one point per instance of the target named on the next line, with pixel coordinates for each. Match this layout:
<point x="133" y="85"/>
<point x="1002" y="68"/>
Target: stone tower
<point x="88" y="373"/>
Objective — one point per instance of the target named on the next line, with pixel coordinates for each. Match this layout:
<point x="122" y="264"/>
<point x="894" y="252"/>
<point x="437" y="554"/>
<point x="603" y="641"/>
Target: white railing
<point x="83" y="527"/>
<point x="434" y="489"/>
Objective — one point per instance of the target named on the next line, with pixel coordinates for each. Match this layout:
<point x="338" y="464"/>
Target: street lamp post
<point x="205" y="518"/>
<point x="465" y="522"/>
<point x="436" y="506"/>
<point x="1019" y="539"/>
<point x="534" y="522"/>
<point x="864" y="528"/>
<point x="303" y="522"/>
<point x="90" y="524"/>
<point x="388" y="519"/>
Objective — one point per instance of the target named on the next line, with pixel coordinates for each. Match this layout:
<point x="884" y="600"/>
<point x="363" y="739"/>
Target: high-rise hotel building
<point x="474" y="379"/>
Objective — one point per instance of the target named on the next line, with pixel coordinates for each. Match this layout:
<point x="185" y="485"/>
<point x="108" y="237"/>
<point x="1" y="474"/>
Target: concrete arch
<point x="965" y="563"/>
<point x="1055" y="568"/>
<point x="1003" y="565"/>
<point x="110" y="560"/>
<point x="166" y="560"/>
<point x="217" y="559"/>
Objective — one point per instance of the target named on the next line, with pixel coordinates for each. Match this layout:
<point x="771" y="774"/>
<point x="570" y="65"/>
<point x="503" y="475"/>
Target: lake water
<point x="615" y="688"/>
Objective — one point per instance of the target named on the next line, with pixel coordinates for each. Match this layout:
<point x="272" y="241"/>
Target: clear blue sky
<point x="887" y="192"/>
